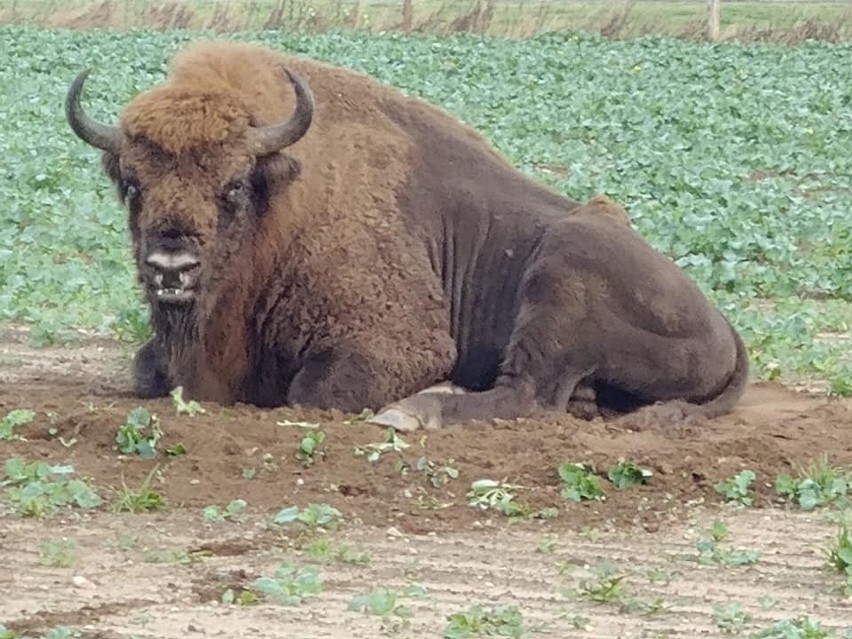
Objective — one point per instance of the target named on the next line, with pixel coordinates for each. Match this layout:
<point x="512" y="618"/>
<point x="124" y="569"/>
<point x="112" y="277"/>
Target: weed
<point x="816" y="485"/>
<point x="580" y="622"/>
<point x="183" y="407"/>
<point x="326" y="551"/>
<point x="173" y="556"/>
<point x="138" y="500"/>
<point x="730" y="618"/>
<point x="363" y="416"/>
<point x="139" y="434"/>
<point x="626" y="474"/>
<point x="289" y="585"/>
<point x="839" y="556"/>
<point x="580" y="482"/>
<point x="547" y="546"/>
<point x="796" y="628"/>
<point x="392" y="442"/>
<point x="58" y="553"/>
<point x="231" y="512"/>
<point x="37" y="489"/>
<point x="736" y="489"/>
<point x="14" y="419"/>
<point x="59" y="632"/>
<point x="477" y="621"/>
<point x="314" y="517"/>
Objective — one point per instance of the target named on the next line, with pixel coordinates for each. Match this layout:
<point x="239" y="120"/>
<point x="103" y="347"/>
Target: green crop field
<point x="734" y="159"/>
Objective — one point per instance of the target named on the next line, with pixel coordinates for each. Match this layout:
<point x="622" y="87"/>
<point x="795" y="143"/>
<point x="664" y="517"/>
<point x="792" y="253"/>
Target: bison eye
<point x="130" y="190"/>
<point x="236" y="193"/>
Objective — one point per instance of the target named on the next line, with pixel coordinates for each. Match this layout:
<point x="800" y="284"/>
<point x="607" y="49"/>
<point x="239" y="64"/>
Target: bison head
<point x="194" y="173"/>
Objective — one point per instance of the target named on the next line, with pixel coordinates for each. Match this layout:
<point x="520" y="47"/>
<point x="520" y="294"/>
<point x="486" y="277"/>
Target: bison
<point x="306" y="235"/>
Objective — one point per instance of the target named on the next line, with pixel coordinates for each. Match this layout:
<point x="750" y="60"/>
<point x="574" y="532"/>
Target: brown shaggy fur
<point x="391" y="248"/>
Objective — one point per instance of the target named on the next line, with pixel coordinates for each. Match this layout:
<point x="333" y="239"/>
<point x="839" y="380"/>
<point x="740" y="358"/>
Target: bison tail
<point x="725" y="401"/>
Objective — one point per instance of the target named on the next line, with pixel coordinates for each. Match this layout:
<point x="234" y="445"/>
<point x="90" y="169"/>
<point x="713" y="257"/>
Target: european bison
<point x="307" y="235"/>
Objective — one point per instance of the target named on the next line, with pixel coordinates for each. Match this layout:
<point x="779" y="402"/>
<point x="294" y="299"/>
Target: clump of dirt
<point x="245" y="452"/>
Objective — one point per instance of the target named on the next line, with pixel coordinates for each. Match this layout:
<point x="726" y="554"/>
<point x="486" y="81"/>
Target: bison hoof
<point x="410" y="414"/>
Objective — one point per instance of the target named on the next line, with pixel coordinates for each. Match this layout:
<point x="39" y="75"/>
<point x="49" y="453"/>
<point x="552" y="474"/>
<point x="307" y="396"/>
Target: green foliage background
<point x="734" y="159"/>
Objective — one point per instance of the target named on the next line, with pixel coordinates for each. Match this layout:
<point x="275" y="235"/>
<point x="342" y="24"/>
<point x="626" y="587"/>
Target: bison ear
<point x="272" y="173"/>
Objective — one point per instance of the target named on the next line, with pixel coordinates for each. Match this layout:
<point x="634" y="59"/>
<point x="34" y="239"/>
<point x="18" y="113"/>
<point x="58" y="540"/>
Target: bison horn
<point x="273" y="138"/>
<point x="101" y="136"/>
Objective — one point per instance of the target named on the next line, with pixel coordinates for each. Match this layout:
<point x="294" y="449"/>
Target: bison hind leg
<point x="149" y="374"/>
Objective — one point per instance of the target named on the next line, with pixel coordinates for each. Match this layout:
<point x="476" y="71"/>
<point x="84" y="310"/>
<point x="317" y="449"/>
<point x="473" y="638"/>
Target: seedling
<point x="491" y="494"/>
<point x="58" y="553"/>
<point x="137" y="500"/>
<point x="309" y="447"/>
<point x="37" y="489"/>
<point x="176" y="450"/>
<point x="245" y="598"/>
<point x="314" y="517"/>
<point x="718" y="530"/>
<point x="581" y="484"/>
<point x="626" y="474"/>
<point x="289" y="585"/>
<point x="711" y="554"/>
<point x="231" y="512"/>
<point x="605" y="587"/>
<point x="499" y="621"/>
<point x="183" y="407"/>
<point x="386" y="603"/>
<point x="797" y="628"/>
<point x="392" y="442"/>
<point x="730" y="618"/>
<point x="736" y="489"/>
<point x="139" y="434"/>
<point x="14" y="419"/>
<point x="817" y="485"/>
<point x="438" y="475"/>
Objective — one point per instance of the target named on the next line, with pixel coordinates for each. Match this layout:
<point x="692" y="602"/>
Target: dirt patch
<point x="463" y="554"/>
<point x="115" y="589"/>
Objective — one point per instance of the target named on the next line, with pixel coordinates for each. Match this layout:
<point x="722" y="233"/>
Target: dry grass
<point x="780" y="21"/>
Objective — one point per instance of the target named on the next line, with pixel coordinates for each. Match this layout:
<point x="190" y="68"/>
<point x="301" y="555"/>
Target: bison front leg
<point x="351" y="381"/>
<point x="150" y="378"/>
<point x="435" y="407"/>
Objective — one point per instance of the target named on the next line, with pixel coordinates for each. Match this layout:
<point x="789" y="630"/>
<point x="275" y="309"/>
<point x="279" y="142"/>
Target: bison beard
<point x="351" y="247"/>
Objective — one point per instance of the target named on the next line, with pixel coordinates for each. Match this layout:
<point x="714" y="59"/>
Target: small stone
<point x="393" y="531"/>
<point x="78" y="581"/>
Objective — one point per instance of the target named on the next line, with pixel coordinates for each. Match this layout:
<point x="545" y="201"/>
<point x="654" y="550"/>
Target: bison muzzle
<point x="306" y="235"/>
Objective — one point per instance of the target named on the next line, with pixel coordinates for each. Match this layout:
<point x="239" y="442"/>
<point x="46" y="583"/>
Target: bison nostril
<point x="172" y="262"/>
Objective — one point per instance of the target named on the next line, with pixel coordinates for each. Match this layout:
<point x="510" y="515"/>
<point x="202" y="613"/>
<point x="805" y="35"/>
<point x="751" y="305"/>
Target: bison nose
<point x="173" y="270"/>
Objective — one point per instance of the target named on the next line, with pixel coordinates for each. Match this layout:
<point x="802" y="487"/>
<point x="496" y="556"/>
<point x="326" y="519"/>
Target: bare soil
<point x="137" y="575"/>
